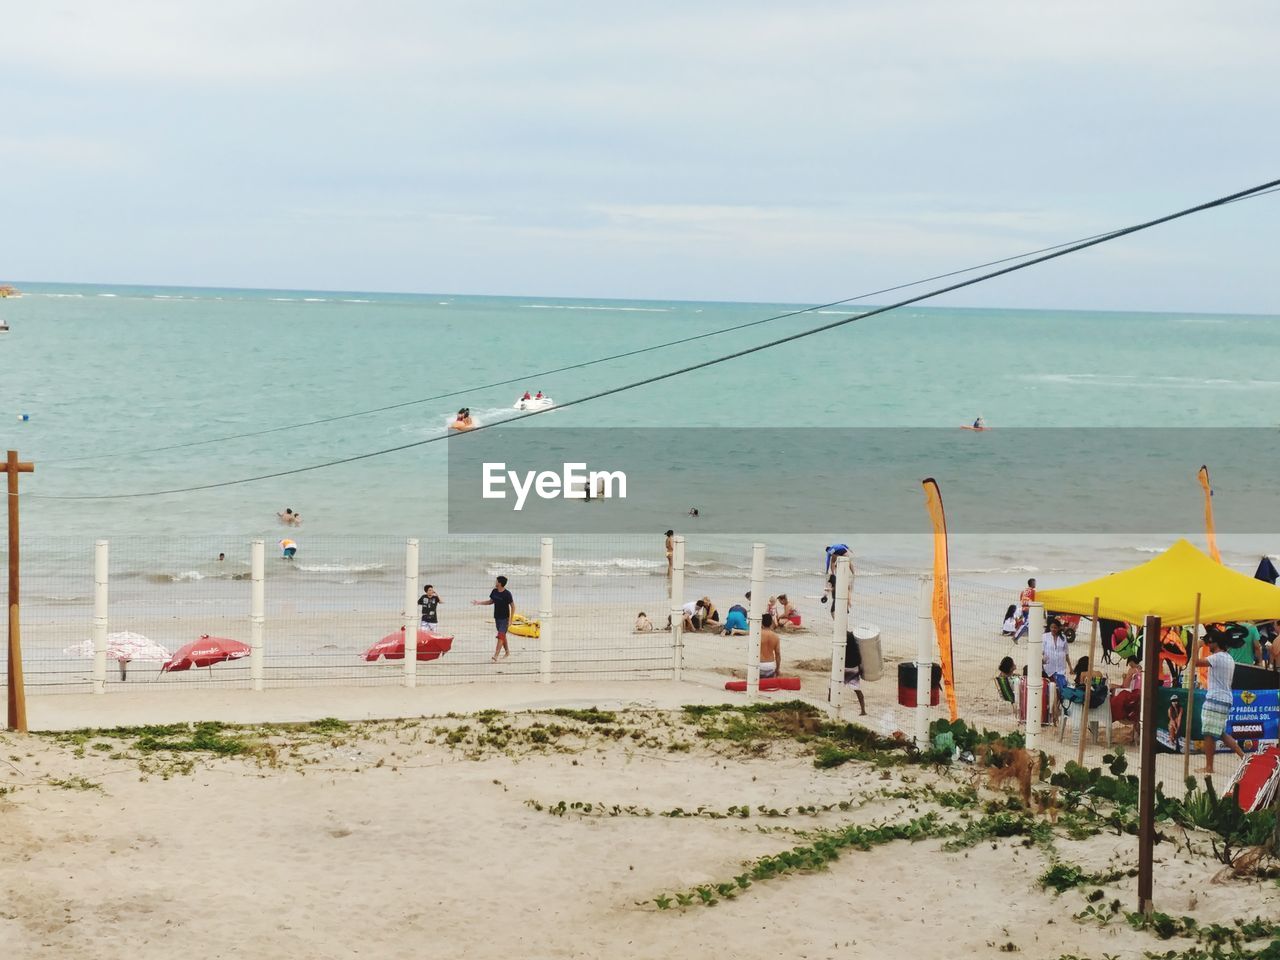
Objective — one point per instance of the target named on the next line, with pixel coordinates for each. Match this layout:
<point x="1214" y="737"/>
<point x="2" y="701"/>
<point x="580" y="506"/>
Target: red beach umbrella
<point x="391" y="647"/>
<point x="205" y="652"/>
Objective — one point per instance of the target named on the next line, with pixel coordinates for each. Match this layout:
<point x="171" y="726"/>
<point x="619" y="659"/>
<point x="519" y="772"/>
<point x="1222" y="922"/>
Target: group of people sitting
<point x="702" y="614"/>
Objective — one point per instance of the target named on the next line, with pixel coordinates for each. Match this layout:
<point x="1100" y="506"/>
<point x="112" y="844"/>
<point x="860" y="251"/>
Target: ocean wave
<point x="557" y="306"/>
<point x="186" y="576"/>
<point x="112" y="295"/>
<point x="1146" y="382"/>
<point x="355" y="301"/>
<point x="340" y="567"/>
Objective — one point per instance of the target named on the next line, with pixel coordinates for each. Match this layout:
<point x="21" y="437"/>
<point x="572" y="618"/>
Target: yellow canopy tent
<point x="1166" y="586"/>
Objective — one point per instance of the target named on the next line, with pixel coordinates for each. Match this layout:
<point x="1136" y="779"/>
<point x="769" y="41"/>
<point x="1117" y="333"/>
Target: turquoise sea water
<point x="106" y="372"/>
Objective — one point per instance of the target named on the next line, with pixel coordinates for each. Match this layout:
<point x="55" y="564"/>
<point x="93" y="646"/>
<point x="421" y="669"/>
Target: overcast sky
<point x="799" y="151"/>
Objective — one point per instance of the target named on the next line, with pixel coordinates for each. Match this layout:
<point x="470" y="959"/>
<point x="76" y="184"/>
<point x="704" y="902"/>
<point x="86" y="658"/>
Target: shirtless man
<point x="770" y="649"/>
<point x="289" y="518"/>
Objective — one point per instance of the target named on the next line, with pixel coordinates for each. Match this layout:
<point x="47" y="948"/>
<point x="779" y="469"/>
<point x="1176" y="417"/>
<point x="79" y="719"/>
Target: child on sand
<point x="643" y="623"/>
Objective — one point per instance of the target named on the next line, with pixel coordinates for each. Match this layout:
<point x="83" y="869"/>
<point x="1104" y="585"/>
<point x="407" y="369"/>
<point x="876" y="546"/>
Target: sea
<point x="131" y="391"/>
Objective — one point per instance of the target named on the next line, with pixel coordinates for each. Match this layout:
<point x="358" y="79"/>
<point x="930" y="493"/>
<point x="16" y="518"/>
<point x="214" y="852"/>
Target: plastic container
<point x="867" y="636"/>
<point x="907" y="685"/>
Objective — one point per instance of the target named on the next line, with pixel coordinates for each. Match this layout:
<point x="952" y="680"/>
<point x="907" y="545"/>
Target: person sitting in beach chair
<point x="1005" y="681"/>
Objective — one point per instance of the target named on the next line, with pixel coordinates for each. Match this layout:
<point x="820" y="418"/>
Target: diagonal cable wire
<point x="524" y="378"/>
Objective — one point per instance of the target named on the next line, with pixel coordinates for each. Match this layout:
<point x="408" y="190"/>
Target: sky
<point x="798" y="152"/>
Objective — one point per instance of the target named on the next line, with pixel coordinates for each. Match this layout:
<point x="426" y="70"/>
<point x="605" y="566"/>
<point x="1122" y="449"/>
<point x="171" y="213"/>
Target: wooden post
<point x="1191" y="689"/>
<point x="1088" y="683"/>
<point x="1147" y="768"/>
<point x="17" y="690"/>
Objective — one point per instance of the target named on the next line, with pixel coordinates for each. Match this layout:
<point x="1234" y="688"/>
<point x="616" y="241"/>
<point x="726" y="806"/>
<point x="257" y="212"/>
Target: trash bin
<point x="867" y="637"/>
<point x="907" y="685"/>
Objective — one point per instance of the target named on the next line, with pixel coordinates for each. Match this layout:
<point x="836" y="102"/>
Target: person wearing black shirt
<point x="504" y="607"/>
<point x="428" y="602"/>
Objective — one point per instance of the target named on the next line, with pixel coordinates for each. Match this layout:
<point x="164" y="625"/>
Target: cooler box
<point x="1045" y="701"/>
<point x="907" y="685"/>
<point x="867" y="637"/>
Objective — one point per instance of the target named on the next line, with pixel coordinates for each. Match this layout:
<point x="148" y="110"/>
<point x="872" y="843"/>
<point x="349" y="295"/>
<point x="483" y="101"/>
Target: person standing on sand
<point x="1216" y="712"/>
<point x="504" y="607"/>
<point x="428" y="602"/>
<point x="770" y="649"/>
<point x="1027" y="597"/>
<point x="671" y="550"/>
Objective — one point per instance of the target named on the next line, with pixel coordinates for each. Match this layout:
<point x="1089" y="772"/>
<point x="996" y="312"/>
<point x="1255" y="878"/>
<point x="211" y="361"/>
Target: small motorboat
<point x="533" y="403"/>
<point x="4" y="327"/>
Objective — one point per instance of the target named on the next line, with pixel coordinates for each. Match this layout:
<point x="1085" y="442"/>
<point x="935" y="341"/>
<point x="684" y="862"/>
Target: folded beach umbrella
<point x="123" y="647"/>
<point x="391" y="647"/>
<point x="205" y="652"/>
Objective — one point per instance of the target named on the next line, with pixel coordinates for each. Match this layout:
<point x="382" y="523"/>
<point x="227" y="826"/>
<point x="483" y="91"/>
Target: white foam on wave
<point x="314" y="300"/>
<point x="557" y="306"/>
<point x="283" y="299"/>
<point x="355" y="301"/>
<point x="112" y="295"/>
<point x="340" y="567"/>
<point x="1147" y="382"/>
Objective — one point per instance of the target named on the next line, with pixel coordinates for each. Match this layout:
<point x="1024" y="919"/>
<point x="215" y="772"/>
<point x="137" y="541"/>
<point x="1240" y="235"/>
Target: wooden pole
<point x="1088" y="683"/>
<point x="1191" y="690"/>
<point x="1147" y="768"/>
<point x="17" y="690"/>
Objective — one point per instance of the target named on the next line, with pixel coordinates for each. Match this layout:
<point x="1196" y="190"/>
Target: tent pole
<point x="1088" y="683"/>
<point x="1191" y="690"/>
<point x="1147" y="769"/>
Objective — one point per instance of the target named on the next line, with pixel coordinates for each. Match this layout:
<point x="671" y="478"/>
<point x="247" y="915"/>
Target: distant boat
<point x="4" y="327"/>
<point x="7" y="291"/>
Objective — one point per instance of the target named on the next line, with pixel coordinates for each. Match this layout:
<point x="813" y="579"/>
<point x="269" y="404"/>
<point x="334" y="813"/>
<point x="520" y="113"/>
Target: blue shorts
<point x="289" y="552"/>
<point x="501" y="626"/>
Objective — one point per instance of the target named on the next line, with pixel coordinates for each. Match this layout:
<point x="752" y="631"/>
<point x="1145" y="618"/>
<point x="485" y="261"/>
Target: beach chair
<point x="1006" y="692"/>
<point x="1099" y="717"/>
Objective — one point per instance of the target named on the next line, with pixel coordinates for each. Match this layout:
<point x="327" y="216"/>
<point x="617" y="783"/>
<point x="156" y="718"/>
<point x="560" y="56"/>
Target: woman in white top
<point x="1216" y="712"/>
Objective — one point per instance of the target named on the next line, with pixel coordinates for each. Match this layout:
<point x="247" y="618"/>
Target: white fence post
<point x="544" y="610"/>
<point x="755" y="608"/>
<point x="1035" y="668"/>
<point x="411" y="612"/>
<point x="924" y="660"/>
<point x="100" y="608"/>
<point x="677" y="608"/>
<point x="257" y="610"/>
<point x="839" y="631"/>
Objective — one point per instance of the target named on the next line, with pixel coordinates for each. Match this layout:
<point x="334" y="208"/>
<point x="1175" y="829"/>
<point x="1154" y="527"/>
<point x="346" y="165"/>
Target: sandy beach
<point x="470" y="835"/>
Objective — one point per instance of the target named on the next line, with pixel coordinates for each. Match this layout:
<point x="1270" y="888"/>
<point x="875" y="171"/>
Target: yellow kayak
<point x="523" y="626"/>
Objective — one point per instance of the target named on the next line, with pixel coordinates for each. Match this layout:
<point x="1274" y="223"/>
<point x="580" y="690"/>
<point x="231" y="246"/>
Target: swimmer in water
<point x="463" y="422"/>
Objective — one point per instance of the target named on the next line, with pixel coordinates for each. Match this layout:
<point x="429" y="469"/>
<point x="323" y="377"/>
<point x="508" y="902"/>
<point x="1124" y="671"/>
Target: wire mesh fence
<point x="335" y="598"/>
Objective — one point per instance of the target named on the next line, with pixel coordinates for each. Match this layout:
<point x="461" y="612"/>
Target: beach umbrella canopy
<point x="391" y="647"/>
<point x="205" y="652"/>
<point x="1166" y="586"/>
<point x="124" y="646"/>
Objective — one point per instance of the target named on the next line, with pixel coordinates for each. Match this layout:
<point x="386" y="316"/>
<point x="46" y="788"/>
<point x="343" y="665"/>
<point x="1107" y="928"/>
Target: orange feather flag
<point x="1210" y="536"/>
<point x="941" y="591"/>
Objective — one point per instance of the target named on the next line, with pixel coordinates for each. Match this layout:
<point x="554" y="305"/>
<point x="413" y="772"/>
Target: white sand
<point x="389" y="847"/>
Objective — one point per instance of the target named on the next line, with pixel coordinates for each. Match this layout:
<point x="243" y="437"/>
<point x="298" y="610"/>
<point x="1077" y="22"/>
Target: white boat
<point x="4" y="327"/>
<point x="534" y="403"/>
